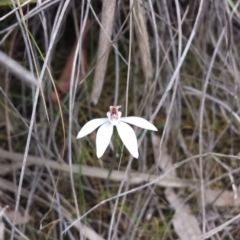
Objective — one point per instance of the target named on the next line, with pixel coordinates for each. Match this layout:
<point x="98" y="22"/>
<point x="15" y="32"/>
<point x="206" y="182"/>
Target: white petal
<point x="103" y="138"/>
<point x="128" y="137"/>
<point x="139" y="122"/>
<point x="91" y="126"/>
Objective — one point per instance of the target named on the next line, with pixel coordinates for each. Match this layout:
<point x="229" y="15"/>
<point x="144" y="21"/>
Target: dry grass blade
<point x="15" y="68"/>
<point x="104" y="44"/>
<point x="14" y="10"/>
<point x="132" y="178"/>
<point x="142" y="38"/>
<point x="2" y="227"/>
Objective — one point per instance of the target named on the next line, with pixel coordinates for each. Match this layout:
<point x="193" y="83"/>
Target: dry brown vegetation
<point x="173" y="62"/>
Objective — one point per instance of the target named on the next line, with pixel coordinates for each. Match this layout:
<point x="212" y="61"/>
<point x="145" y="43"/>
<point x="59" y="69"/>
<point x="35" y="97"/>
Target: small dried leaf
<point x="184" y="223"/>
<point x="221" y="199"/>
<point x="20" y="218"/>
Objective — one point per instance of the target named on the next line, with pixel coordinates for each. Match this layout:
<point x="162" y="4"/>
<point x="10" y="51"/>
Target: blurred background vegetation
<point x="172" y="62"/>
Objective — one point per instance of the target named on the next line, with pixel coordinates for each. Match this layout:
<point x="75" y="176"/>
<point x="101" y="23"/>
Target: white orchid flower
<point x="125" y="132"/>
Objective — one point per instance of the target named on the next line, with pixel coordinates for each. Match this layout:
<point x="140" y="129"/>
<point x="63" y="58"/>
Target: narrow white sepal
<point x="128" y="137"/>
<point x="91" y="126"/>
<point x="103" y="138"/>
<point x="139" y="122"/>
